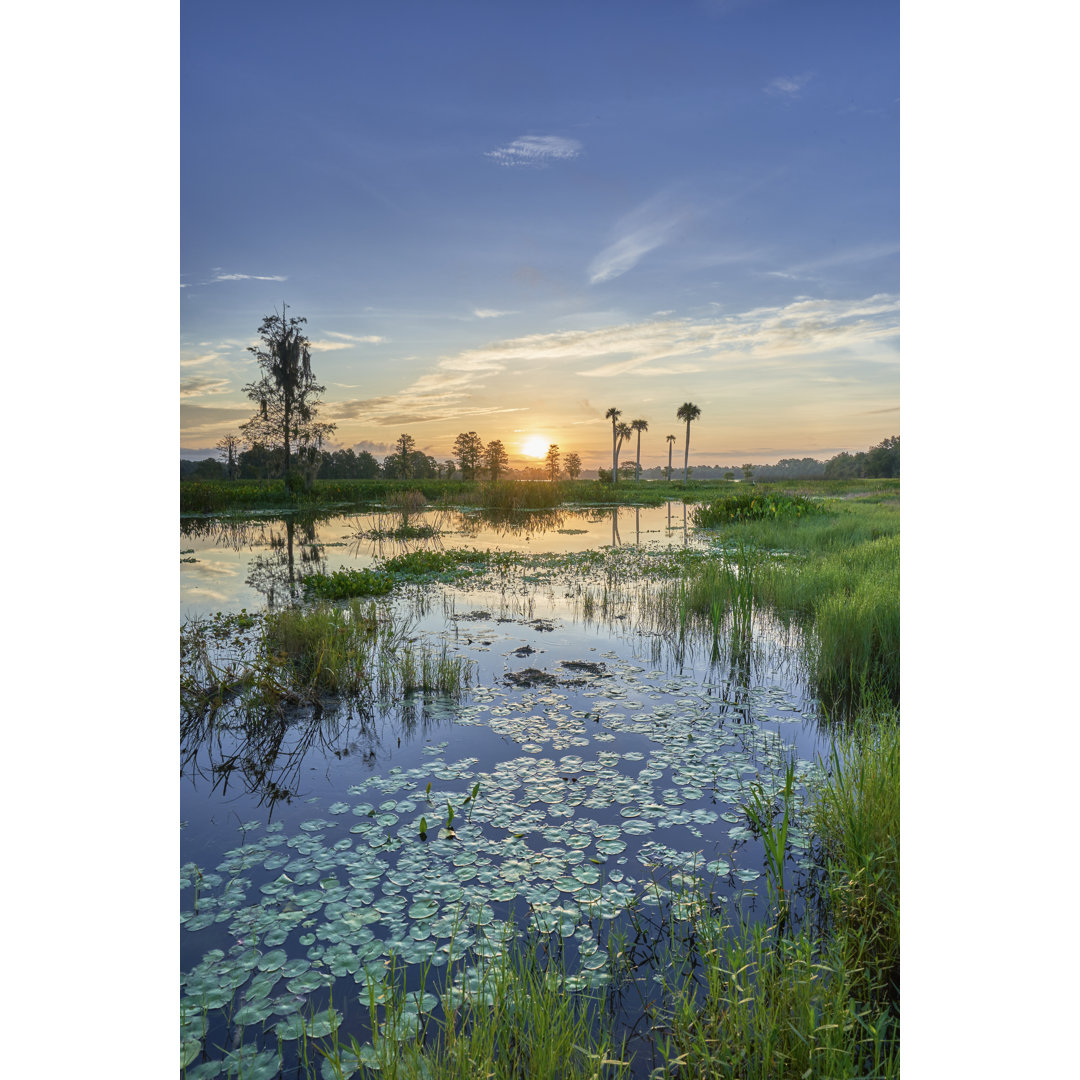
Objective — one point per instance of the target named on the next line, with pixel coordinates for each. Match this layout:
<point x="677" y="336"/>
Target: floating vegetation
<point x="347" y="583"/>
<point x="527" y="856"/>
<point x="754" y="506"/>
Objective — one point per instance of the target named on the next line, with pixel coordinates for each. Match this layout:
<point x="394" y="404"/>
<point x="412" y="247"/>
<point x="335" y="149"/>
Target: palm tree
<point x="639" y="426"/>
<point x="613" y="414"/>
<point x="688" y="411"/>
<point x="624" y="431"/>
<point x="670" y="444"/>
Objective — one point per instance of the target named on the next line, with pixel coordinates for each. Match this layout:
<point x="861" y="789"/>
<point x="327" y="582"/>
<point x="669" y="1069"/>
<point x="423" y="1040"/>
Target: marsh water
<point x="594" y="775"/>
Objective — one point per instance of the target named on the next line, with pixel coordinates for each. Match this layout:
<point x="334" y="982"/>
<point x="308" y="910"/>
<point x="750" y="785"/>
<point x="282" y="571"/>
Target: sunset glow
<point x="645" y="225"/>
<point x="536" y="446"/>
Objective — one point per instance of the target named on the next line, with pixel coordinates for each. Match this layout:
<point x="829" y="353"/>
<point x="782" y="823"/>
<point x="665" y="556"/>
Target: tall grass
<point x="508" y="1017"/>
<point x="302" y="656"/>
<point x="837" y="575"/>
<point x="857" y="817"/>
<point x="760" y="1002"/>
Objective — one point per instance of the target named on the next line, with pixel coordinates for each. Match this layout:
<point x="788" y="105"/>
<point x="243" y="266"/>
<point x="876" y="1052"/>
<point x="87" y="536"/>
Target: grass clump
<point x="754" y="506"/>
<point x="303" y="656"/>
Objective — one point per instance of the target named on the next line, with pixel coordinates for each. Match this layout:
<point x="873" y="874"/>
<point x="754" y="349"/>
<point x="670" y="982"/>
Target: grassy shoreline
<point x="208" y="497"/>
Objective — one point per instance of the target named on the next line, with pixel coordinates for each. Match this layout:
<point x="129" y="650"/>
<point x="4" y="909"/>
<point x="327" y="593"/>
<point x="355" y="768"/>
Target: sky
<point x="508" y="218"/>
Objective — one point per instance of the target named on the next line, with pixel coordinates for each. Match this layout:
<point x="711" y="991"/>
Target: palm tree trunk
<point x="686" y="457"/>
<point x="638" y="476"/>
<point x="670" y="445"/>
<point x="614" y="456"/>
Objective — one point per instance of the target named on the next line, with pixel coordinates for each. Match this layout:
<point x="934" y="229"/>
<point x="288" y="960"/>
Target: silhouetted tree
<point x="287" y="394"/>
<point x="229" y="446"/>
<point x="552" y="462"/>
<point x="747" y="471"/>
<point x="496" y="458"/>
<point x="670" y="444"/>
<point x="689" y="412"/>
<point x="470" y="451"/>
<point x="572" y="463"/>
<point x="403" y="451"/>
<point x="639" y="426"/>
<point x="613" y="415"/>
<point x="624" y="432"/>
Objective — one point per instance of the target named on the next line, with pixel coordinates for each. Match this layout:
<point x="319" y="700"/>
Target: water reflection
<point x="228" y="751"/>
<point x="274" y="575"/>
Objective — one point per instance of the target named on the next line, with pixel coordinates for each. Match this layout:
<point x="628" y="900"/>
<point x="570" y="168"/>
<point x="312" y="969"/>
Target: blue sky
<point x="508" y="217"/>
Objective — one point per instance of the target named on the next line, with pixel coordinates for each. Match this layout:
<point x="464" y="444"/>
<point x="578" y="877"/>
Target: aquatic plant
<point x="347" y="583"/>
<point x="754" y="506"/>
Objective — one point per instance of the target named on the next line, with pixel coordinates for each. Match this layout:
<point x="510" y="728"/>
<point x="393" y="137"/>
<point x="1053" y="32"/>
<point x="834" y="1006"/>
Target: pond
<point x="585" y="788"/>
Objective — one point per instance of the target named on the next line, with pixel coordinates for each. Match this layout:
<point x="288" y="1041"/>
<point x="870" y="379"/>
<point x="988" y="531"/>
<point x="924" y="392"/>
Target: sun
<point x="536" y="446"/>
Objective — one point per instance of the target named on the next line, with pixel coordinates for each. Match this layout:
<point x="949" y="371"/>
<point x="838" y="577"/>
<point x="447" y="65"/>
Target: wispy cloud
<point x="202" y="385"/>
<point x="200" y="359"/>
<point x="639" y="232"/>
<point x="535" y="150"/>
<point x="861" y="330"/>
<point x="843" y="257"/>
<point x="490" y="313"/>
<point x="369" y="339"/>
<point x="249" y="277"/>
<point x="788" y="86"/>
<point x="329" y="346"/>
<point x="677" y="346"/>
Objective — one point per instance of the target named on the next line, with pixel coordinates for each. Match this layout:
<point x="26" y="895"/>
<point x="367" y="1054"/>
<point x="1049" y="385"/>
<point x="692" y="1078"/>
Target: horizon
<point x="508" y="221"/>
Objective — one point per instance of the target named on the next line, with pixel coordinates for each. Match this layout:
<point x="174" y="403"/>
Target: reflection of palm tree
<point x="688" y="411"/>
<point x="639" y="426"/>
<point x="670" y="444"/>
<point x="613" y="414"/>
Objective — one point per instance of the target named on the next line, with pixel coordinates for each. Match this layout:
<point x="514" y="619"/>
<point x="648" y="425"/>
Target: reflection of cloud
<point x="788" y="86"/>
<point x="212" y="569"/>
<point x="641" y="231"/>
<point x="198" y="385"/>
<point x="535" y="150"/>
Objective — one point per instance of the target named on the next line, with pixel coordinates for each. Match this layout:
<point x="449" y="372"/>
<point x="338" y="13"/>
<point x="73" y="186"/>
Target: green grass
<point x="835" y="574"/>
<point x="303" y="656"/>
<point x="216" y="496"/>
<point x="754" y="505"/>
<point x="759" y="1001"/>
<point x="857" y="817"/>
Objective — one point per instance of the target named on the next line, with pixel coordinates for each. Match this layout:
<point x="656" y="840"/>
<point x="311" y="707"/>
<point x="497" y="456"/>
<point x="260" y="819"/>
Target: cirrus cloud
<point x="535" y="150"/>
